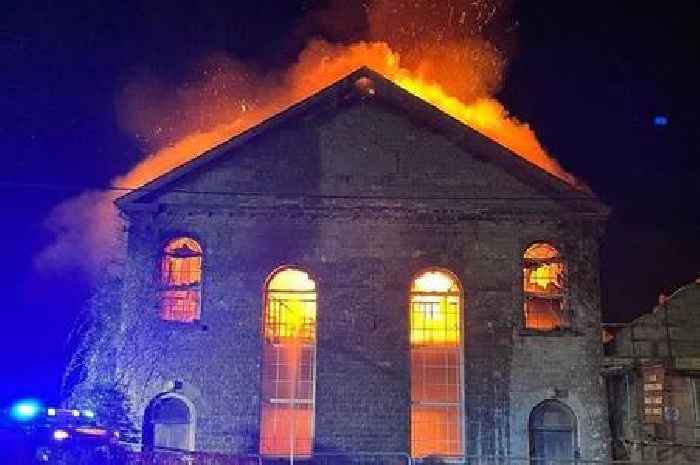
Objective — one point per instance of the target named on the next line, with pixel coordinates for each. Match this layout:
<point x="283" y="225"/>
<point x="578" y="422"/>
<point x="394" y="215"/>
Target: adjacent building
<point x="653" y="372"/>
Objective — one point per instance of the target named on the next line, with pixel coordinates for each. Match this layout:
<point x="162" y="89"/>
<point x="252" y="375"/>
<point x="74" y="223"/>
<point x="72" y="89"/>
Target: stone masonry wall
<point x="361" y="201"/>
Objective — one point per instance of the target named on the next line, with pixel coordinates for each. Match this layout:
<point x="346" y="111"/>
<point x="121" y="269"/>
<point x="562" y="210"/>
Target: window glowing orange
<point x="435" y="309"/>
<point x="543" y="286"/>
<point x="437" y="417"/>
<point x="181" y="279"/>
<point x="289" y="365"/>
<point x="291" y="306"/>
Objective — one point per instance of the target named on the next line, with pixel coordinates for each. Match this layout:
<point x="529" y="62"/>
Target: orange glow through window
<point x="289" y="365"/>
<point x="181" y="279"/>
<point x="436" y="366"/>
<point x="543" y="287"/>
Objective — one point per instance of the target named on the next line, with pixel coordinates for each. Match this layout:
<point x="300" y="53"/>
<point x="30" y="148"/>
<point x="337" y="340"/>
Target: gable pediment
<point x="346" y="142"/>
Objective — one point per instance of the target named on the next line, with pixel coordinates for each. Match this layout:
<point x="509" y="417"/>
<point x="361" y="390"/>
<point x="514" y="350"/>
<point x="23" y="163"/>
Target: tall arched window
<point x="169" y="423"/>
<point x="181" y="280"/>
<point x="552" y="433"/>
<point x="289" y="365"/>
<point x="544" y="288"/>
<point x="437" y="411"/>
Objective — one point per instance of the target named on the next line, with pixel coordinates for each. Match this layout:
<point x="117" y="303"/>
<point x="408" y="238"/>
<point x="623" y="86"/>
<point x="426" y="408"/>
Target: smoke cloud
<point x="86" y="233"/>
<point x="437" y="49"/>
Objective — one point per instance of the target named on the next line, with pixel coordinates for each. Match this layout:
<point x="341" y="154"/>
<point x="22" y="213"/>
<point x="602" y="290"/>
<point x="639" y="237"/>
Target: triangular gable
<point x="414" y="108"/>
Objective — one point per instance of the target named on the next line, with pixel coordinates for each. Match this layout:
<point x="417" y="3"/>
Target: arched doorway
<point x="552" y="433"/>
<point x="169" y="424"/>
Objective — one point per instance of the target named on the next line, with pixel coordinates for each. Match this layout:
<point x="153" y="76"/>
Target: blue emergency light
<point x="660" y="120"/>
<point x="25" y="409"/>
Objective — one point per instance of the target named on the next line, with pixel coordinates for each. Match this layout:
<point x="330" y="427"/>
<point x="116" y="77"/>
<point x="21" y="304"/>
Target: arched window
<point x="181" y="280"/>
<point x="437" y="413"/>
<point x="552" y="433"/>
<point x="544" y="288"/>
<point x="169" y="424"/>
<point x="289" y="365"/>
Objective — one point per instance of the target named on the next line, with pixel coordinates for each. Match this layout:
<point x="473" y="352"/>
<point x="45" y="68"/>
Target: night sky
<point x="596" y="80"/>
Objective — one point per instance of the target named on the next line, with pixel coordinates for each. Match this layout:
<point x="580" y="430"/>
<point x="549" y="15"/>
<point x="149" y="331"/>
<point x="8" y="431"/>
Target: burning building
<point x="361" y="272"/>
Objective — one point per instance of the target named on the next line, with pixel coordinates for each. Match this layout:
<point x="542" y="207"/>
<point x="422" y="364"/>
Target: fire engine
<point x="32" y="433"/>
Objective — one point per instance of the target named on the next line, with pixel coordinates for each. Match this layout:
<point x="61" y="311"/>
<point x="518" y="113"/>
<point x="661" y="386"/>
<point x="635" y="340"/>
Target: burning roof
<point x="366" y="83"/>
<point x="319" y="66"/>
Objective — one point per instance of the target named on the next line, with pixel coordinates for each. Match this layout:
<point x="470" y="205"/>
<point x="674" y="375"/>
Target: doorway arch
<point x="169" y="423"/>
<point x="553" y="435"/>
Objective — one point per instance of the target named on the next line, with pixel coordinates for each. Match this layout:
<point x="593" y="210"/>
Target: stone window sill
<point x="568" y="332"/>
<point x="195" y="325"/>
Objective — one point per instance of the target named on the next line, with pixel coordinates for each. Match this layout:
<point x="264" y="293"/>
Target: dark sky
<point x="590" y="77"/>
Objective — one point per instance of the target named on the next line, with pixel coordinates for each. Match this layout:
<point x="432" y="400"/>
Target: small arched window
<point x="181" y="280"/>
<point x="289" y="365"/>
<point x="169" y="424"/>
<point x="437" y="365"/>
<point x="544" y="288"/>
<point x="552" y="434"/>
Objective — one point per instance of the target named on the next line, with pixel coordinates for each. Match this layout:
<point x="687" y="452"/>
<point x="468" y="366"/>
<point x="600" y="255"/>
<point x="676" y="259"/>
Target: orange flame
<point x="320" y="65"/>
<point x="445" y="60"/>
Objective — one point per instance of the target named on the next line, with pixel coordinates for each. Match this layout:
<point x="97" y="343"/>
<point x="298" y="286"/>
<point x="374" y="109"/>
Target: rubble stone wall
<point x="363" y="200"/>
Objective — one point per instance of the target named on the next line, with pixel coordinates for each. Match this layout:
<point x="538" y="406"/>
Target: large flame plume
<point x="433" y="49"/>
<point x="321" y="64"/>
